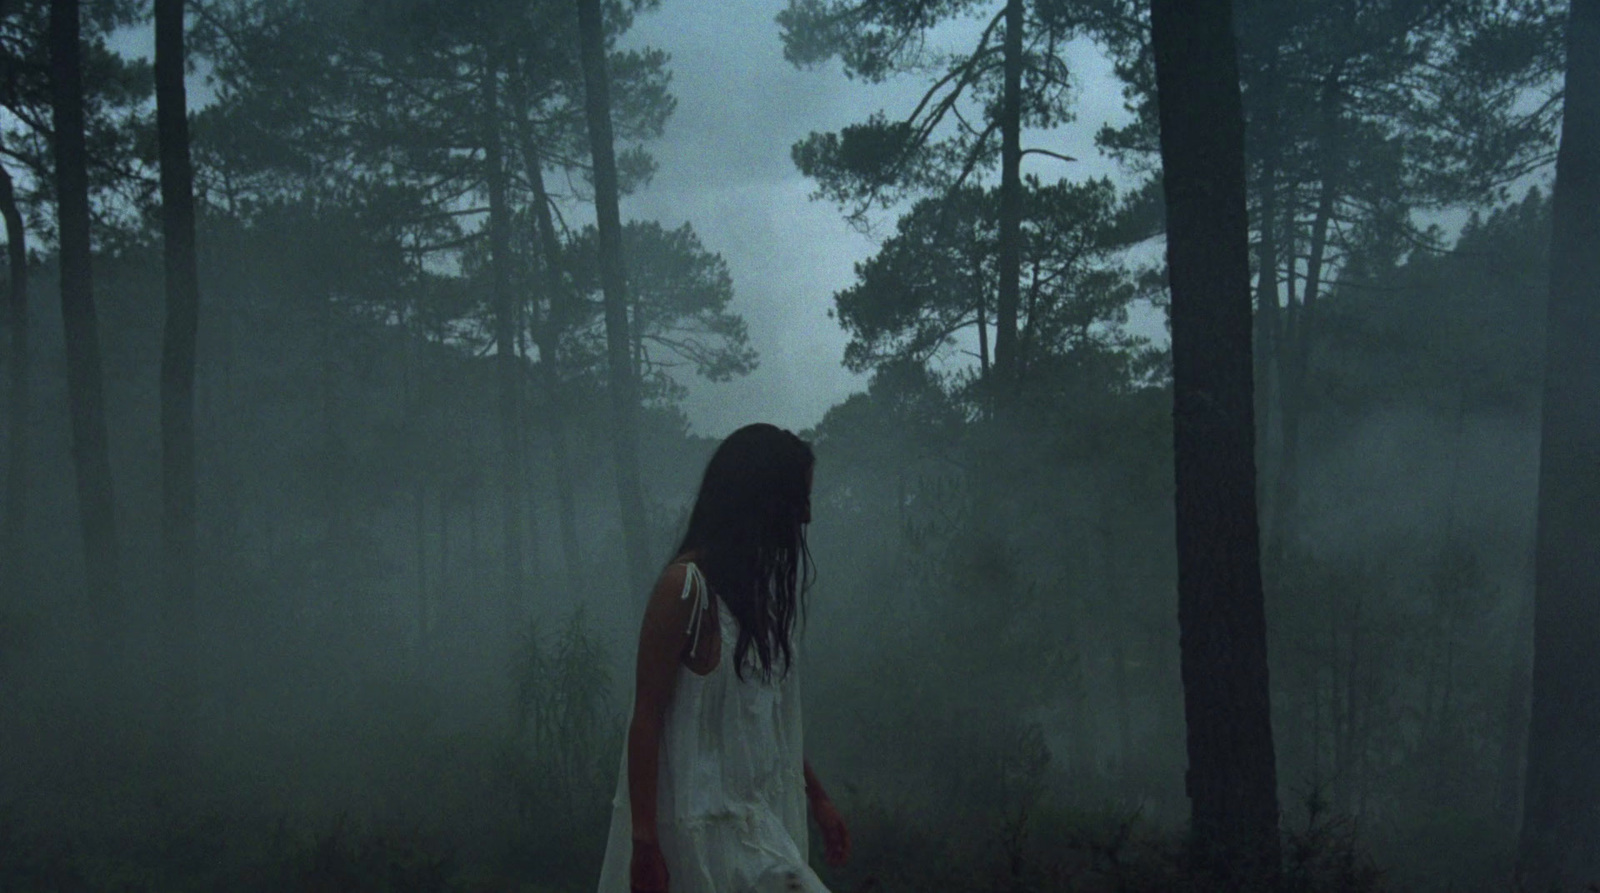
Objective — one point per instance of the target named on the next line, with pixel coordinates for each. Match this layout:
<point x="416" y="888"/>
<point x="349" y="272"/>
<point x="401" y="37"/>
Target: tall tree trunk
<point x="530" y="467"/>
<point x="508" y="377"/>
<point x="1295" y="361"/>
<point x="1561" y="827"/>
<point x="1267" y="376"/>
<point x="1290" y="248"/>
<point x="223" y="532"/>
<point x="17" y="403"/>
<point x="983" y="327"/>
<point x="623" y="387"/>
<point x="1232" y="775"/>
<point x="91" y="450"/>
<point x="177" y="364"/>
<point x="1009" y="299"/>
<point x="548" y="333"/>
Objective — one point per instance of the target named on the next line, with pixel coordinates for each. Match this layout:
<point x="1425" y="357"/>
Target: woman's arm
<point x="813" y="787"/>
<point x="662" y="637"/>
<point x="835" y="836"/>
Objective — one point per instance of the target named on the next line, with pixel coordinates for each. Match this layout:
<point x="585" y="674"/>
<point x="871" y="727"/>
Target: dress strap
<point x="692" y="576"/>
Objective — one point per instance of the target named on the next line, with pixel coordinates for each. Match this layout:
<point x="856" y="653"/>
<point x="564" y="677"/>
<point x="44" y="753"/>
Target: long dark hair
<point x="750" y="540"/>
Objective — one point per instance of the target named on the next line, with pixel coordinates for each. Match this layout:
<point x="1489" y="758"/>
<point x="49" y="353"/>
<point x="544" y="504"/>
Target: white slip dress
<point x="731" y="807"/>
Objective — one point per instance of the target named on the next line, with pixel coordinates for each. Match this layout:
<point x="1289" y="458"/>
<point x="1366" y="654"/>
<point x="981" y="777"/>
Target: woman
<point x="713" y="787"/>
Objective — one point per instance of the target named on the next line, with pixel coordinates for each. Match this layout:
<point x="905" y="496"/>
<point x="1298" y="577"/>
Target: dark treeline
<point x="338" y="443"/>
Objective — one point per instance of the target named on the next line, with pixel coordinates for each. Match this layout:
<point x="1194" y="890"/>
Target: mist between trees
<point x="436" y="448"/>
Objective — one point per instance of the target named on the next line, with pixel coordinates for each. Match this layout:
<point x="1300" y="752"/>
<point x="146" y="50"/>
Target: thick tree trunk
<point x="1232" y="775"/>
<point x="624" y="387"/>
<point x="177" y="364"/>
<point x="1561" y="827"/>
<point x="17" y="403"/>
<point x="508" y="376"/>
<point x="1009" y="299"/>
<point x="549" y="340"/>
<point x="91" y="450"/>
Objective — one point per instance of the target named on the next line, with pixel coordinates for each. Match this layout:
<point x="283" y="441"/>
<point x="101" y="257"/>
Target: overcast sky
<point x="725" y="168"/>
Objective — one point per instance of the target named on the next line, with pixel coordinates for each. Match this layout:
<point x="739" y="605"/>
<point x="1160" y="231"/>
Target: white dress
<point x="731" y="813"/>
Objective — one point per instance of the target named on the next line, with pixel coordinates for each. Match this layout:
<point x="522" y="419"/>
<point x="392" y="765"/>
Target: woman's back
<point x="730" y="799"/>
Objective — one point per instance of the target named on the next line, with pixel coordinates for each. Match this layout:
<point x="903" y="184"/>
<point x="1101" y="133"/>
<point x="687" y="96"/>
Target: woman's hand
<point x="835" y="836"/>
<point x="648" y="872"/>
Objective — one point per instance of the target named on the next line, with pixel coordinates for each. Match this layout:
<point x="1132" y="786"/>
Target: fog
<point x="418" y="587"/>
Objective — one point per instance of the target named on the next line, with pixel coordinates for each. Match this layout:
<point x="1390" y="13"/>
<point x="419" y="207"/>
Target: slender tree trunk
<point x="1291" y="291"/>
<point x="178" y="529"/>
<point x="1007" y="371"/>
<point x="17" y="404"/>
<point x="1232" y="775"/>
<point x="530" y="476"/>
<point x="1295" y="365"/>
<point x="91" y="450"/>
<point x="1561" y="827"/>
<point x="1267" y="293"/>
<point x="13" y="545"/>
<point x="1514" y="744"/>
<point x="1267" y="376"/>
<point x="613" y="278"/>
<point x="226" y="535"/>
<point x="983" y="333"/>
<point x="636" y="330"/>
<point x="549" y="340"/>
<point x="509" y="377"/>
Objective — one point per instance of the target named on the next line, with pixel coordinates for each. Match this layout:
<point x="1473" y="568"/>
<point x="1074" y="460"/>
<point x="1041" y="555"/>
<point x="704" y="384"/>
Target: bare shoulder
<point x="667" y="604"/>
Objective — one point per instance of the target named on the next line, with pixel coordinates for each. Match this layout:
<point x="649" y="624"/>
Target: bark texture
<point x="1561" y="805"/>
<point x="1232" y="776"/>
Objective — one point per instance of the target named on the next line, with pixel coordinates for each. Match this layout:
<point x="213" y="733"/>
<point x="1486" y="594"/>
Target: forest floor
<point x="1036" y="854"/>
